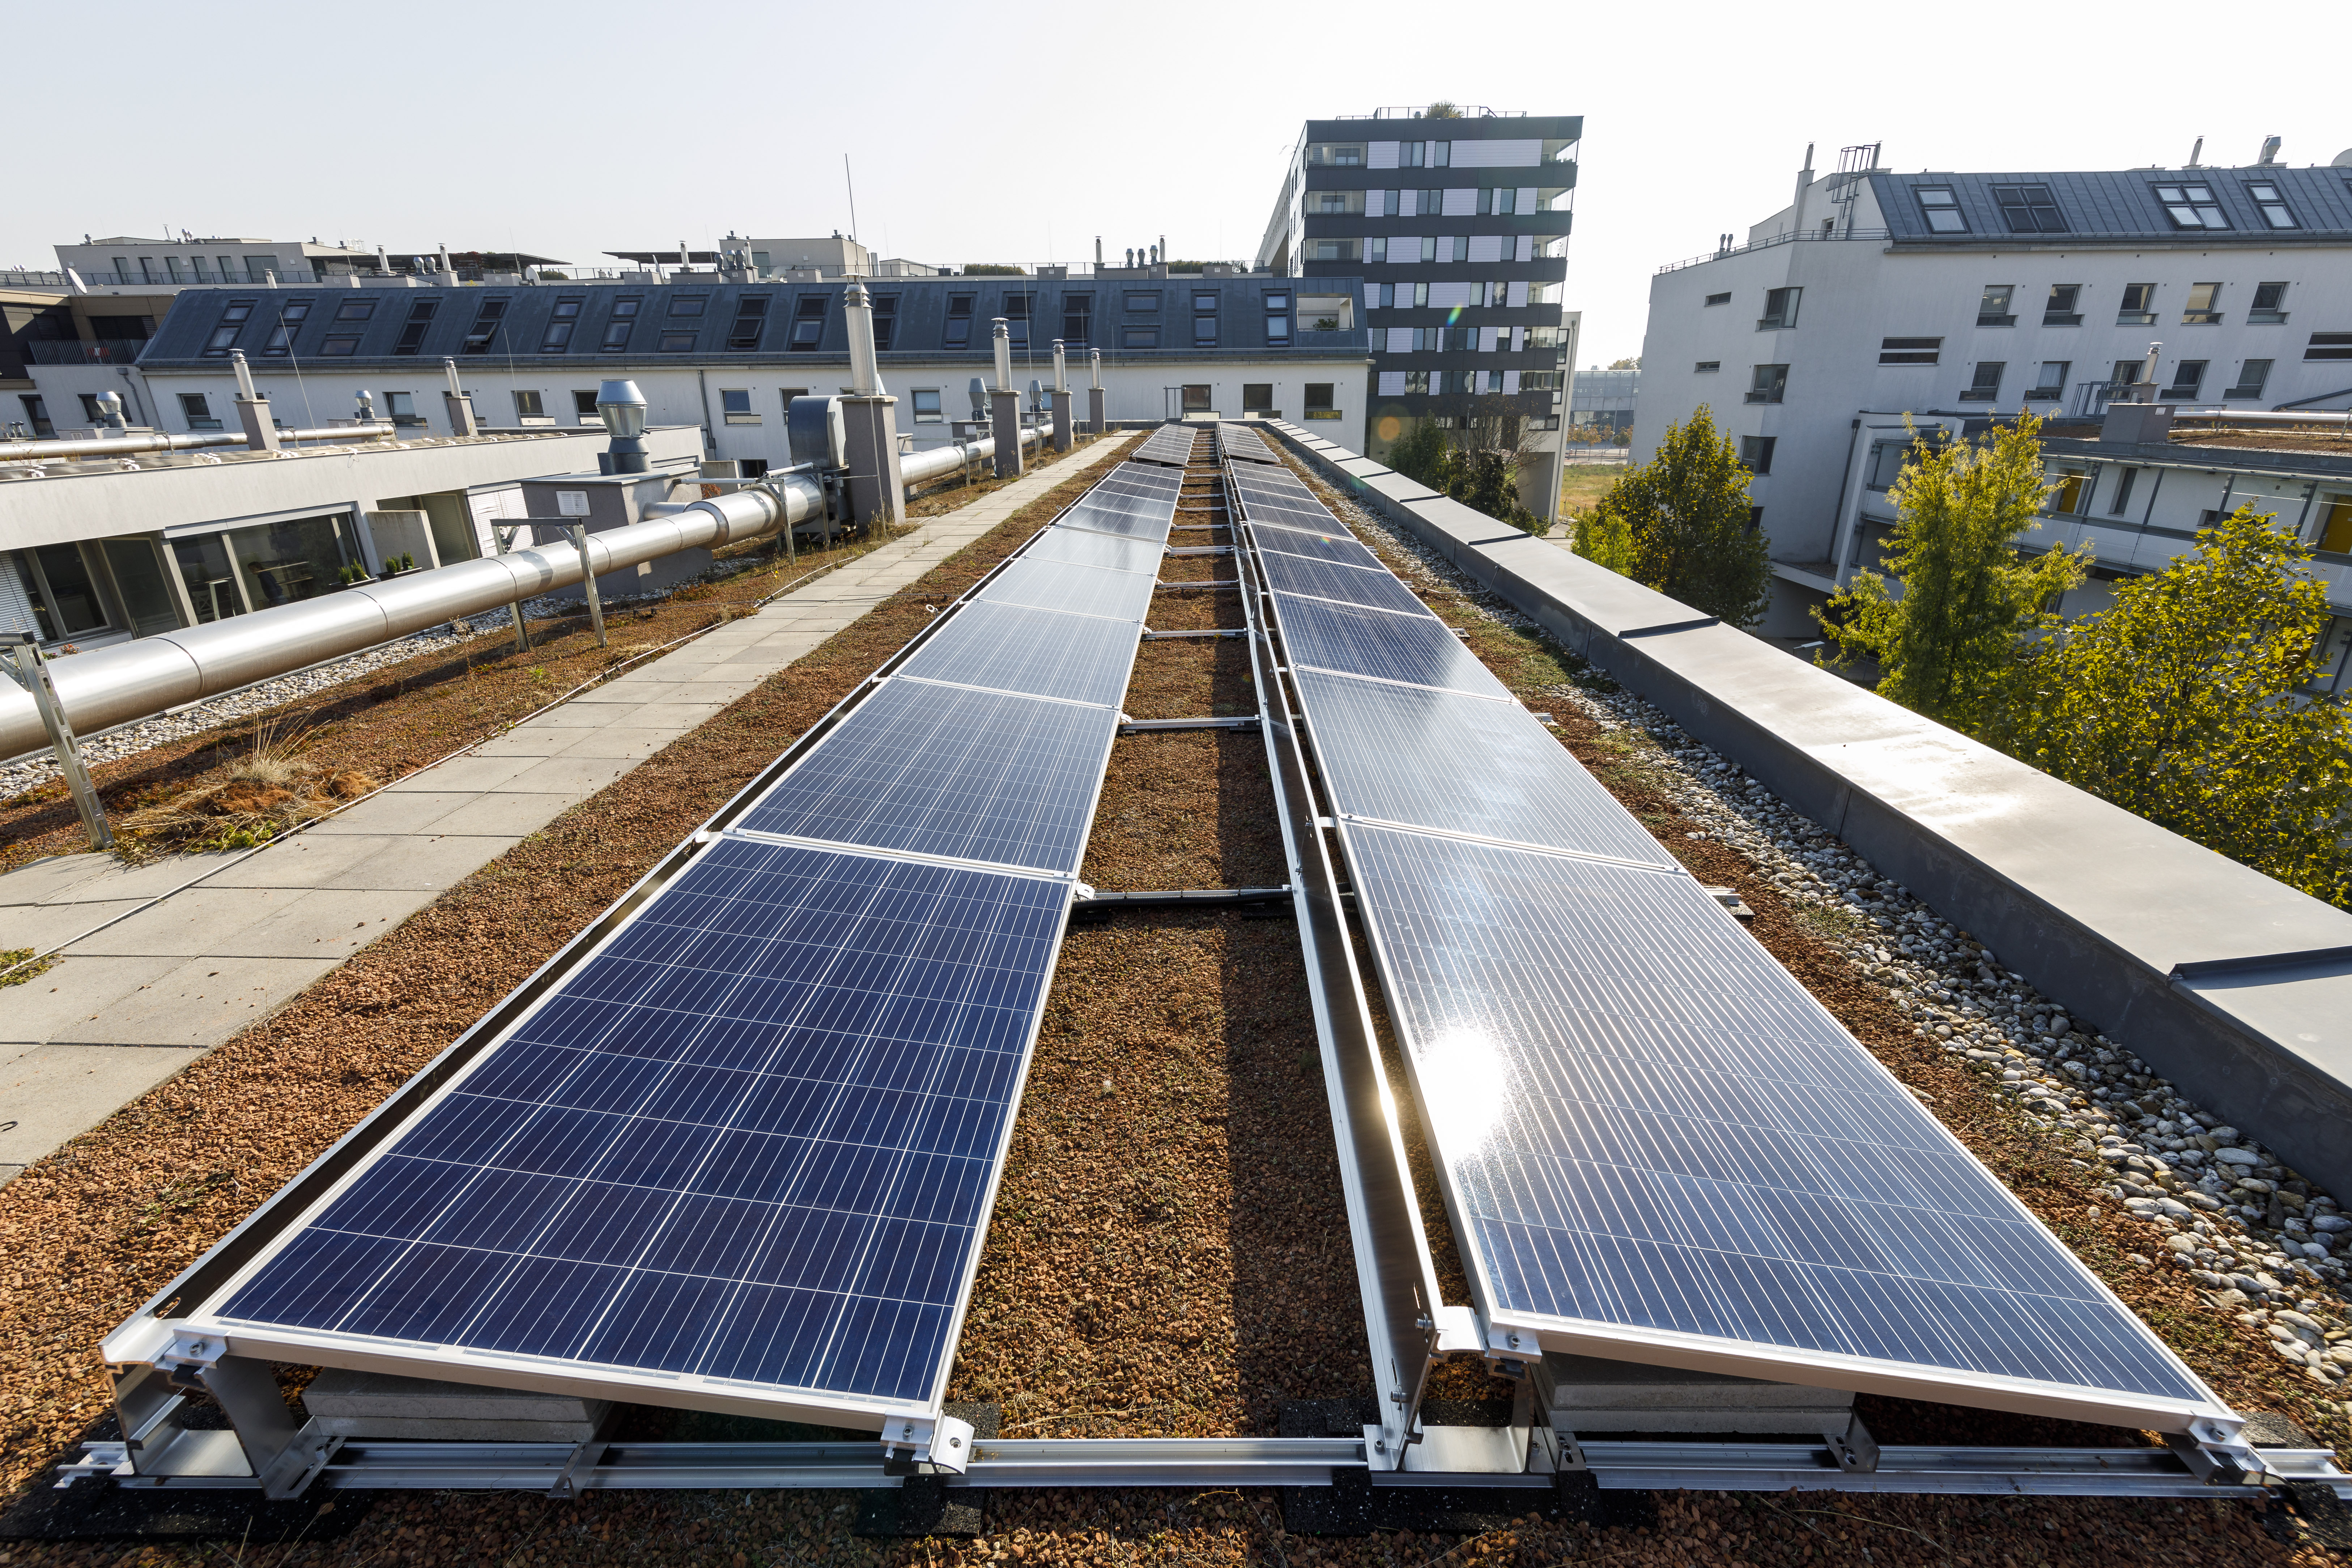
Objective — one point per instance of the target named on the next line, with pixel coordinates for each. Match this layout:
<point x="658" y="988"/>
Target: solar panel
<point x="745" y="1151"/>
<point x="1348" y="585"/>
<point x="1456" y="763"/>
<point x="1171" y="444"/>
<point x="1341" y="548"/>
<point x="1043" y="653"/>
<point x="1416" y="649"/>
<point x="1244" y="444"/>
<point x="1129" y="525"/>
<point x="1654" y="1142"/>
<point x="1079" y="547"/>
<point x="950" y="771"/>
<point x="1059" y="586"/>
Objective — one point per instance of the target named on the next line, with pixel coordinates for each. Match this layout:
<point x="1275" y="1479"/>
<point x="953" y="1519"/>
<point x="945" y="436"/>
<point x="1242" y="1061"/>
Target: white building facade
<point x="1951" y="297"/>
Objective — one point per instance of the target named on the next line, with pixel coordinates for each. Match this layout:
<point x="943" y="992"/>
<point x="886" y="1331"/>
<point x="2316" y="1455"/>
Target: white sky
<point x="570" y="129"/>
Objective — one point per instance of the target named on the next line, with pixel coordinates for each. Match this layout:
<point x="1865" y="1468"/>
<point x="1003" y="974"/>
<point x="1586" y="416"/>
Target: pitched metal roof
<point x="703" y="322"/>
<point x="2122" y="206"/>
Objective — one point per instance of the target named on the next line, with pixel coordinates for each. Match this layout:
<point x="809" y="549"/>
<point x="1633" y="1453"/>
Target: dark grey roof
<point x="2121" y="205"/>
<point x="699" y="321"/>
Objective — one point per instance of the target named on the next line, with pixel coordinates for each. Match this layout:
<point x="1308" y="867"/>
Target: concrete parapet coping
<point x="2233" y="985"/>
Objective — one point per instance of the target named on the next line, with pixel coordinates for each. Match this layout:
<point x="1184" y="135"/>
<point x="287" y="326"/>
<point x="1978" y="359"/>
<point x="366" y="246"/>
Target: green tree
<point x="1971" y="605"/>
<point x="2183" y="703"/>
<point x="1633" y="363"/>
<point x="1420" y="453"/>
<point x="1679" y="523"/>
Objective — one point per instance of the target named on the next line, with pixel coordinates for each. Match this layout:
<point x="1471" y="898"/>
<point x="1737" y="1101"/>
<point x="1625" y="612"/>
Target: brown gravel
<point x="1156" y="1251"/>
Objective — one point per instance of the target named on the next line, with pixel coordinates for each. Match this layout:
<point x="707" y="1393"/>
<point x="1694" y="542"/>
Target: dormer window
<point x="2028" y="209"/>
<point x="1941" y="209"/>
<point x="2271" y="204"/>
<point x="2191" y="206"/>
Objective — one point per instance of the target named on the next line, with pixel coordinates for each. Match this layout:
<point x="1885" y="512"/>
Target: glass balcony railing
<point x="111" y="351"/>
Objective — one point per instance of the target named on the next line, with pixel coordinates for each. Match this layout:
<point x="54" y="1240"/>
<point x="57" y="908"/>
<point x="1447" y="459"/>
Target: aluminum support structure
<point x="34" y="671"/>
<point x="579" y="532"/>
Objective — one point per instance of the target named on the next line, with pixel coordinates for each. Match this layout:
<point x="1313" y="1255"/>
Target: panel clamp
<point x="2217" y="1453"/>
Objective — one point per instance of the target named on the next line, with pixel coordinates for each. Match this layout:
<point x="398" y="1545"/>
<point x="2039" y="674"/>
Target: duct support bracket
<point x="34" y="671"/>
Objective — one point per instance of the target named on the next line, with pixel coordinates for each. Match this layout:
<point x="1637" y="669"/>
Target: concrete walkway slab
<point x="208" y="944"/>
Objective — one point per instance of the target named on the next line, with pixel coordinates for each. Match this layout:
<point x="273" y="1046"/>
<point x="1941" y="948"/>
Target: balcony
<point x="113" y="351"/>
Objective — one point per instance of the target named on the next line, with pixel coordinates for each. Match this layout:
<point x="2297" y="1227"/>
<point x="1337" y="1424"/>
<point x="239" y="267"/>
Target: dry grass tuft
<point x="257" y="798"/>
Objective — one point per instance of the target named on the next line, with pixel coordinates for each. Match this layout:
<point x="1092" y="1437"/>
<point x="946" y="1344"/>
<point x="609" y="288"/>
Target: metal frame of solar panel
<point x="1170" y="444"/>
<point x="735" y="1149"/>
<point x="1239" y="443"/>
<point x="1654" y="1146"/>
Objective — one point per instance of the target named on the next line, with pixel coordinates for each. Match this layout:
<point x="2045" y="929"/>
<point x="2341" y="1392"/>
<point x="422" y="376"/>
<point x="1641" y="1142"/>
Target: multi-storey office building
<point x="727" y="356"/>
<point x="1874" y="295"/>
<point x="1603" y="401"/>
<point x="1458" y="228"/>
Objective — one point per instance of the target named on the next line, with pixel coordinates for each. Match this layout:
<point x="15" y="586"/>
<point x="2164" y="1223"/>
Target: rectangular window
<point x="1420" y="296"/>
<point x="1376" y="248"/>
<point x="2121" y="500"/>
<point x="412" y="331"/>
<point x="886" y="320"/>
<point x="1409" y="154"/>
<point x="1198" y="399"/>
<point x="1078" y="321"/>
<point x="562" y="318"/>
<point x="808" y="324"/>
<point x="529" y="406"/>
<point x="1277" y="330"/>
<point x="232" y="321"/>
<point x="355" y="309"/>
<point x="340" y="345"/>
<point x="1756" y="453"/>
<point x="197" y="412"/>
<point x="1722" y="299"/>
<point x="401" y="408"/>
<point x="687" y="305"/>
<point x="2051" y="384"/>
<point x="2028" y="209"/>
<point x="2269" y="308"/>
<point x="2271" y="204"/>
<point x="2328" y="345"/>
<point x="1780" y="309"/>
<point x="1938" y="206"/>
<point x="2251" y="377"/>
<point x="584" y="408"/>
<point x="959" y="324"/>
<point x="1142" y="304"/>
<point x="1993" y="308"/>
<point x="735" y="405"/>
<point x="2203" y="308"/>
<point x="1138" y="337"/>
<point x="2138" y="308"/>
<point x="289" y="321"/>
<point x="2067" y="497"/>
<point x="2191" y="206"/>
<point x="1910" y="351"/>
<point x="2059" y="309"/>
<point x="751" y="320"/>
<point x="676" y="340"/>
<point x="2187" y="377"/>
<point x="484" y="330"/>
<point x="1770" y="384"/>
<point x="1318" y="398"/>
<point x="927" y="405"/>
<point x="1706" y="367"/>
<point x="1016" y="318"/>
<point x="1258" y="397"/>
<point x="1416" y="382"/>
<point x="1987" y="384"/>
<point x="624" y="316"/>
<point x="2335" y="524"/>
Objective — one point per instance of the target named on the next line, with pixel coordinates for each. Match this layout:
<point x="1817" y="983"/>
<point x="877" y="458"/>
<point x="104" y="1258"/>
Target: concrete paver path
<point x="202" y="945"/>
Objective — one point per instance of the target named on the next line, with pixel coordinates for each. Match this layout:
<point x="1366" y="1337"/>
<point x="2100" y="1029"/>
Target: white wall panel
<point x="1487" y="247"/>
<point x="1510" y="381"/>
<point x="1446" y="295"/>
<point x="1527" y="248"/>
<point x="1527" y="200"/>
<point x="1380" y="155"/>
<point x="1518" y="295"/>
<point x="1391" y="383"/>
<point x="1461" y="201"/>
<point x="1408" y="204"/>
<point x="1497" y="154"/>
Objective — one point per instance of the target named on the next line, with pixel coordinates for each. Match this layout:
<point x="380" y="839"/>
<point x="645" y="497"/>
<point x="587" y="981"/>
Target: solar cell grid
<point x="1125" y="524"/>
<point x="1456" y="763"/>
<point x="1651" y="1133"/>
<point x="1086" y="548"/>
<point x="1346" y="552"/>
<point x="1347" y="584"/>
<point x="1416" y="649"/>
<point x="1061" y="585"/>
<point x="1044" y="653"/>
<point x="950" y="771"/>
<point x="751" y="1141"/>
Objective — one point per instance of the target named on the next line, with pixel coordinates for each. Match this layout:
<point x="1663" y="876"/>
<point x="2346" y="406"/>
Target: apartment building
<point x="727" y="356"/>
<point x="1603" y="400"/>
<point x="1948" y="297"/>
<point x="1456" y="220"/>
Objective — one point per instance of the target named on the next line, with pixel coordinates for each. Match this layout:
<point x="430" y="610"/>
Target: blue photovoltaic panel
<point x="751" y="1140"/>
<point x="1647" y="1126"/>
<point x="1044" y="653"/>
<point x="1462" y="765"/>
<point x="1348" y="585"/>
<point x="1313" y="519"/>
<point x="950" y="771"/>
<point x="1416" y="649"/>
<point x="1338" y="548"/>
<point x="1083" y="518"/>
<point x="1081" y="590"/>
<point x="1079" y="547"/>
<point x="1144" y="474"/>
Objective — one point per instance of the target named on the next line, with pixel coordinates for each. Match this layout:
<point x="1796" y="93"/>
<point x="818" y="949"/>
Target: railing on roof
<point x="21" y="277"/>
<point x="106" y="351"/>
<point x="1879" y="235"/>
<point x="1460" y="111"/>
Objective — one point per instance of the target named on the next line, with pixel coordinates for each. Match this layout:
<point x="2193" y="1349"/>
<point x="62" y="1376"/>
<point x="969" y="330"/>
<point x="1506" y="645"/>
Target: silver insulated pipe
<point x="937" y="462"/>
<point x="130" y="446"/>
<point x="133" y="680"/>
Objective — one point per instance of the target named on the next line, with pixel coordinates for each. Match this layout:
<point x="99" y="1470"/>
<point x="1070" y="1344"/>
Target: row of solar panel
<point x="1170" y="444"/>
<point x="1241" y="444"/>
<point x="751" y="1138"/>
<point x="1651" y="1137"/>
